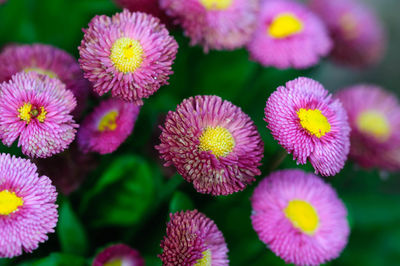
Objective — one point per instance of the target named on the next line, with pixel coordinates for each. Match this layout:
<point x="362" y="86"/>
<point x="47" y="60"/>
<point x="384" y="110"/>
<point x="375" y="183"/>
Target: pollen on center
<point x="374" y="123"/>
<point x="218" y="140"/>
<point x="302" y="215"/>
<point x="205" y="260"/>
<point x="216" y="4"/>
<point x="9" y="202"/>
<point x="285" y="25"/>
<point x="126" y="54"/>
<point x="314" y="122"/>
<point x="108" y="121"/>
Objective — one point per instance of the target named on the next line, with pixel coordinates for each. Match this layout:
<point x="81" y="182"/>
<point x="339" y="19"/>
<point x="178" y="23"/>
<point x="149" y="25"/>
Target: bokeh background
<point x="127" y="195"/>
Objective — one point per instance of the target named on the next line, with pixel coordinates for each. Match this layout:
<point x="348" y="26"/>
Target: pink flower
<point x="193" y="239"/>
<point x="37" y="110"/>
<point x="212" y="144"/>
<point x="108" y="126"/>
<point x="147" y="6"/>
<point x="299" y="217"/>
<point x="358" y="35"/>
<point x="307" y="122"/>
<point x="118" y="254"/>
<point x="288" y="35"/>
<point x="46" y="60"/>
<point x="27" y="206"/>
<point x="214" y="24"/>
<point x="129" y="54"/>
<point x="374" y="117"/>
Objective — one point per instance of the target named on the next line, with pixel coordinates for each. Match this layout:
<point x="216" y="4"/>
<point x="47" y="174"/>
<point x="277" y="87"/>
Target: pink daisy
<point x="214" y="24"/>
<point x="307" y="122"/>
<point x="37" y="110"/>
<point x="27" y="206"/>
<point x="358" y="35"/>
<point x="129" y="54"/>
<point x="193" y="239"/>
<point x="147" y="6"/>
<point x="108" y="126"/>
<point x="299" y="217"/>
<point x="374" y="117"/>
<point x="47" y="60"/>
<point x="118" y="254"/>
<point x="288" y="35"/>
<point x="212" y="144"/>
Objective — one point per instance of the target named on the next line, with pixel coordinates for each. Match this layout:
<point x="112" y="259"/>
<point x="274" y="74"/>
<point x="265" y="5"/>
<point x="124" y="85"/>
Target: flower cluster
<point x="193" y="239"/>
<point x="311" y="125"/>
<point x="299" y="217"/>
<point x="212" y="144"/>
<point x="129" y="54"/>
<point x="37" y="110"/>
<point x="374" y="117"/>
<point x="288" y="35"/>
<point x="27" y="206"/>
<point x="108" y="126"/>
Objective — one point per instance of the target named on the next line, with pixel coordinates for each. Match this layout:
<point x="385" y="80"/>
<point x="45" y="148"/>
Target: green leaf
<point x="180" y="202"/>
<point x="123" y="193"/>
<point x="71" y="234"/>
<point x="60" y="259"/>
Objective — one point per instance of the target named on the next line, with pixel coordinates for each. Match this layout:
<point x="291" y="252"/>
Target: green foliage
<point x="180" y="202"/>
<point x="70" y="232"/>
<point x="123" y="193"/>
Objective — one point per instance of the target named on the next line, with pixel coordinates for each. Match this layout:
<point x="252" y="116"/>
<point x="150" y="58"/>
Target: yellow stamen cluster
<point x="115" y="262"/>
<point x="216" y="4"/>
<point x="349" y="26"/>
<point x="314" y="122"/>
<point x="205" y="260"/>
<point x="303" y="216"/>
<point x="218" y="140"/>
<point x="27" y="112"/>
<point x="108" y="122"/>
<point x="46" y="72"/>
<point x="9" y="202"/>
<point x="375" y="124"/>
<point x="285" y="25"/>
<point x="126" y="54"/>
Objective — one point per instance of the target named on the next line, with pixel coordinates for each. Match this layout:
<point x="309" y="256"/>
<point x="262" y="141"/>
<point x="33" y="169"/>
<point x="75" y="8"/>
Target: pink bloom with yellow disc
<point x="193" y="239"/>
<point x="212" y="144"/>
<point x="27" y="207"/>
<point x="108" y="126"/>
<point x="374" y="117"/>
<point x="45" y="60"/>
<point x="118" y="255"/>
<point x="288" y="35"/>
<point x="308" y="123"/>
<point x="299" y="217"/>
<point x="358" y="34"/>
<point x="37" y="110"/>
<point x="214" y="24"/>
<point x="129" y="54"/>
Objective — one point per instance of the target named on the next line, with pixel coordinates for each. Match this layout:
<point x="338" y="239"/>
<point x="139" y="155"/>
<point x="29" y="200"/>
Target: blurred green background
<point x="127" y="198"/>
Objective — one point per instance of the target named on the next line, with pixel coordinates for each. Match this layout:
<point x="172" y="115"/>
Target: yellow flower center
<point x="374" y="123"/>
<point x="314" y="122"/>
<point x="27" y="112"/>
<point x="205" y="260"/>
<point x="303" y="216"/>
<point x="285" y="25"/>
<point x="114" y="262"/>
<point x="9" y="202"/>
<point x="218" y="140"/>
<point x="126" y="54"/>
<point x="108" y="122"/>
<point x="216" y="4"/>
<point x="42" y="71"/>
<point x="349" y="26"/>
